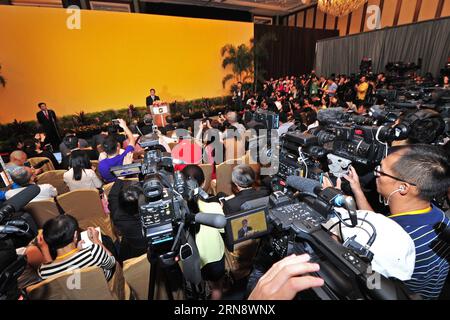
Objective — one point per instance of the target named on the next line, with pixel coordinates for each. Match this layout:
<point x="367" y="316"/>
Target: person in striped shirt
<point x="60" y="234"/>
<point x="409" y="178"/>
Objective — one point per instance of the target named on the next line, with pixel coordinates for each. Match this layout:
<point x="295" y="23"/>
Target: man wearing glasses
<point x="408" y="180"/>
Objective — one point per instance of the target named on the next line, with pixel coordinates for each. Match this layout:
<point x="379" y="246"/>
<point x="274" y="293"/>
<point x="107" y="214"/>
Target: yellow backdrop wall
<point x="110" y="62"/>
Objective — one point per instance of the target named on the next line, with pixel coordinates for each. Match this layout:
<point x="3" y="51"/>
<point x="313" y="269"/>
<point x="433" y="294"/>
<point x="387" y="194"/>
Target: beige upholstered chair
<point x="55" y="178"/>
<point x="137" y="272"/>
<point x="85" y="205"/>
<point x="46" y="167"/>
<point x="107" y="188"/>
<point x="41" y="211"/>
<point x="82" y="284"/>
<point x="223" y="173"/>
<point x="207" y="169"/>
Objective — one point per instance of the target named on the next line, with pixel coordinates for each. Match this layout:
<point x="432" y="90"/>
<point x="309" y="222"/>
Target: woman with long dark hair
<point x="80" y="175"/>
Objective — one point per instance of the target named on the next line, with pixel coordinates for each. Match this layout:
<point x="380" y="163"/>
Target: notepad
<point x="84" y="237"/>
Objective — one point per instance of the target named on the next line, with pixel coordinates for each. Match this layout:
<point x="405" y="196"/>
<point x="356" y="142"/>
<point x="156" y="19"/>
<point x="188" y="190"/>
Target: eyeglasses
<point x="378" y="173"/>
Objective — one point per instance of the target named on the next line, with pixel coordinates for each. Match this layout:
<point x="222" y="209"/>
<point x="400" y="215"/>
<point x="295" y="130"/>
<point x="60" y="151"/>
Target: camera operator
<point x="123" y="205"/>
<point x="409" y="179"/>
<point x="208" y="240"/>
<point x="286" y="278"/>
<point x="112" y="149"/>
<point x="243" y="178"/>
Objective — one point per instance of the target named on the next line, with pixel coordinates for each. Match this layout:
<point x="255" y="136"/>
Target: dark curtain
<point x="428" y="40"/>
<point x="294" y="50"/>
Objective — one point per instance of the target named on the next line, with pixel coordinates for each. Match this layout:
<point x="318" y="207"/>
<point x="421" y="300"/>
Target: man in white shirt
<point x="394" y="253"/>
<point x="285" y="124"/>
<point x="23" y="176"/>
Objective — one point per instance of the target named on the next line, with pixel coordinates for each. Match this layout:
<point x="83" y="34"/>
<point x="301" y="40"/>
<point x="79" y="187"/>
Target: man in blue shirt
<point x="112" y="149"/>
<point x="408" y="180"/>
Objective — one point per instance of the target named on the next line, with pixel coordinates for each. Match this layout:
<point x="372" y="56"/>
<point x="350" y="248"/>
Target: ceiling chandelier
<point x="339" y="8"/>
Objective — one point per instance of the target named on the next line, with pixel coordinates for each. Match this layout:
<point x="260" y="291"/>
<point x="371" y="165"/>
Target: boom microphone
<point x="18" y="201"/>
<point x="217" y="221"/>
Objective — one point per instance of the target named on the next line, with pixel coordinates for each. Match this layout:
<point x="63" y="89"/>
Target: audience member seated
<point x="72" y="143"/>
<point x="81" y="175"/>
<point x="33" y="150"/>
<point x="65" y="150"/>
<point x="243" y="178"/>
<point x="123" y="205"/>
<point x="114" y="158"/>
<point x="409" y="179"/>
<point x="65" y="250"/>
<point x="23" y="177"/>
<point x="19" y="158"/>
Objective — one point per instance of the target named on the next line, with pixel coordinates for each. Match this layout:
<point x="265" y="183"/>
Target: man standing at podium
<point x="48" y="121"/>
<point x="151" y="98"/>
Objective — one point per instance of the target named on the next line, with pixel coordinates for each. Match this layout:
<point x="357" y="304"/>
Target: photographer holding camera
<point x="408" y="179"/>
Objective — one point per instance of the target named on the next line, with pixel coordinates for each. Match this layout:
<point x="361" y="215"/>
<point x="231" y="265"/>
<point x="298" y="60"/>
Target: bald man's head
<point x="18" y="157"/>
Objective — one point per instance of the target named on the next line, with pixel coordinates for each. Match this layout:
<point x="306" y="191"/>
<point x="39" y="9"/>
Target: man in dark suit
<point x="151" y="98"/>
<point x="48" y="121"/>
<point x="243" y="178"/>
<point x="243" y="232"/>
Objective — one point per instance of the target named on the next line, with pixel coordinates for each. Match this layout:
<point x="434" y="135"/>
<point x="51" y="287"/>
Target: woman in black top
<point x="123" y="205"/>
<point x="33" y="149"/>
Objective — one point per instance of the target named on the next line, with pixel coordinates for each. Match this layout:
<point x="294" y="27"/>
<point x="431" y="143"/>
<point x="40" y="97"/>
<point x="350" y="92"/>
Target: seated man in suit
<point x="243" y="177"/>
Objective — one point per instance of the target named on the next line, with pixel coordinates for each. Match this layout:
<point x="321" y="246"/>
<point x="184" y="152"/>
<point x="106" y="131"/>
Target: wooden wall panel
<point x="291" y="21"/>
<point x="407" y="11"/>
<point x="387" y="16"/>
<point x="357" y="15"/>
<point x="446" y="9"/>
<point x="319" y="19"/>
<point x="301" y="19"/>
<point x="342" y="25"/>
<point x="428" y="10"/>
<point x="330" y="22"/>
<point x="309" y="18"/>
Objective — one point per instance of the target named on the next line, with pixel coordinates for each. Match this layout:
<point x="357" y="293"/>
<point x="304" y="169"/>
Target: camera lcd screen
<point x="246" y="225"/>
<point x="128" y="170"/>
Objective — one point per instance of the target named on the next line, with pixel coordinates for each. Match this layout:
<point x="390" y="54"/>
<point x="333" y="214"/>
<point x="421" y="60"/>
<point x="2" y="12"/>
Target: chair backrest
<point x="234" y="148"/>
<point x="207" y="169"/>
<point x="55" y="178"/>
<point x="43" y="210"/>
<point x="107" y="188"/>
<point x="223" y="174"/>
<point x="137" y="272"/>
<point x="94" y="164"/>
<point x="46" y="167"/>
<point x="81" y="284"/>
<point x="118" y="286"/>
<point x="85" y="205"/>
<point x="172" y="145"/>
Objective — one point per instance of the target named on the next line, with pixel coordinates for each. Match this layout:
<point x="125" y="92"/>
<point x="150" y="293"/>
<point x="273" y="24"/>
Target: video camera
<point x="11" y="264"/>
<point x="290" y="226"/>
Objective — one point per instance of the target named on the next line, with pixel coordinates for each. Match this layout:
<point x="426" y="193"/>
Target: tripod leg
<point x="152" y="279"/>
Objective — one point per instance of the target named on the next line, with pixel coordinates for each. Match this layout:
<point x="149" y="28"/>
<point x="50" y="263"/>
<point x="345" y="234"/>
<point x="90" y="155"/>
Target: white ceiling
<point x="257" y="7"/>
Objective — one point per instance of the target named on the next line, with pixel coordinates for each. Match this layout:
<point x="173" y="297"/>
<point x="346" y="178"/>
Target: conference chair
<point x="81" y="284"/>
<point x="55" y="178"/>
<point x="94" y="164"/>
<point x="137" y="272"/>
<point x="85" y="205"/>
<point x="46" y="167"/>
<point x="223" y="174"/>
<point x="207" y="169"/>
<point x="107" y="188"/>
<point x="42" y="211"/>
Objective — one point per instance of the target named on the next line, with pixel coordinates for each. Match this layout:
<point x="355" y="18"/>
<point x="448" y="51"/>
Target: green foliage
<point x="246" y="61"/>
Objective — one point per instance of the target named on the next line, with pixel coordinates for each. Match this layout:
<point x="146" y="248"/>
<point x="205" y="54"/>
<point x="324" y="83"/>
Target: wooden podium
<point x="160" y="112"/>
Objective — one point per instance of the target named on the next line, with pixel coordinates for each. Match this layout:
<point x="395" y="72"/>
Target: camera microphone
<point x="217" y="221"/>
<point x="18" y="201"/>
